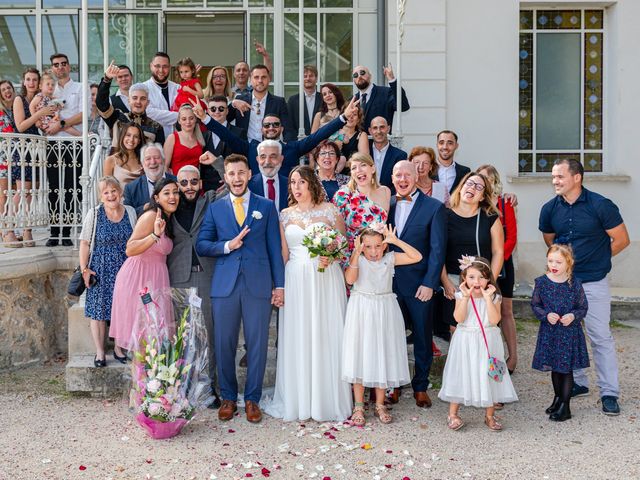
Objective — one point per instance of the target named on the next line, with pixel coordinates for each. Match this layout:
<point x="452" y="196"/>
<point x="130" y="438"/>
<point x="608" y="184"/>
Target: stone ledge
<point x="21" y="262"/>
<point x="588" y="178"/>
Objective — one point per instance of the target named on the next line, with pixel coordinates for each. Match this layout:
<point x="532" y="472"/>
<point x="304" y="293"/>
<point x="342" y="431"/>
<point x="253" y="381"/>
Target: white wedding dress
<point x="308" y="378"/>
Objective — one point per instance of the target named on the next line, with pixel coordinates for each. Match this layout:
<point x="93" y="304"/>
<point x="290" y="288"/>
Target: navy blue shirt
<point x="583" y="225"/>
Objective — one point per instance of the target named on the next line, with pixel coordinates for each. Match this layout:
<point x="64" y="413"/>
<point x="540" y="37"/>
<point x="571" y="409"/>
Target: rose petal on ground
<point x="265" y="472"/>
<point x="231" y="430"/>
<point x="299" y="466"/>
<point x="148" y="460"/>
<point x="46" y="460"/>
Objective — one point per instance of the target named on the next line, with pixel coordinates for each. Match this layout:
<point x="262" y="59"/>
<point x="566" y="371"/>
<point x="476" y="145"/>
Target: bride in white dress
<point x="308" y="378"/>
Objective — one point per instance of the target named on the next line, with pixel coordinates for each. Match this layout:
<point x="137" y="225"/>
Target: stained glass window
<point x="560" y="87"/>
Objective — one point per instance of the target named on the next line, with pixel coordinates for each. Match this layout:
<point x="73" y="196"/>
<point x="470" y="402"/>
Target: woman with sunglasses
<point x="474" y="229"/>
<point x="185" y="146"/>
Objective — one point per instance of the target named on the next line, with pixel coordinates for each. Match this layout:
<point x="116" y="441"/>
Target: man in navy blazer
<point x="377" y="101"/>
<point x="262" y="103"/>
<point x="312" y="98"/>
<point x="385" y="155"/>
<point x="138" y="192"/>
<point x="268" y="183"/>
<point x="421" y="222"/>
<point x="450" y="173"/>
<point x="242" y="232"/>
<point x="272" y="130"/>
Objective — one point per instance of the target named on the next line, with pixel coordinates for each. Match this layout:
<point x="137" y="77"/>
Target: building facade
<point x="521" y="82"/>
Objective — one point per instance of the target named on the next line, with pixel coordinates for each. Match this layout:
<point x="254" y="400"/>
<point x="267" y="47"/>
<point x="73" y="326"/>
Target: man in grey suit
<point x="186" y="268"/>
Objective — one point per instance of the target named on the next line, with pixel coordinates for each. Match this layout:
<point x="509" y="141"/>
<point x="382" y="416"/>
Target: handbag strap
<point x="477" y="230"/>
<point x="93" y="234"/>
<point x="481" y="327"/>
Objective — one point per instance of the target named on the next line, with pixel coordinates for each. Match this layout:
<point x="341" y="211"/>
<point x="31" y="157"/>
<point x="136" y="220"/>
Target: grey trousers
<point x="202" y="282"/>
<point x="602" y="343"/>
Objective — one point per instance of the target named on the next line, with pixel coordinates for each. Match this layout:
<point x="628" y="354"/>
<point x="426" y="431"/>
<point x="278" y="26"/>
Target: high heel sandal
<point x="493" y="423"/>
<point x="383" y="414"/>
<point x="357" y="416"/>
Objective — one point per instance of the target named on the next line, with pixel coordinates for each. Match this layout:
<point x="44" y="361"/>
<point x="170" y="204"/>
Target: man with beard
<point x="272" y="130"/>
<point x="312" y="100"/>
<point x="268" y="183"/>
<point x="162" y="93"/>
<point x="385" y="155"/>
<point x="377" y="101"/>
<point x="186" y="268"/>
<point x="421" y="222"/>
<point x="449" y="172"/>
<point x="115" y="118"/>
<point x="138" y="192"/>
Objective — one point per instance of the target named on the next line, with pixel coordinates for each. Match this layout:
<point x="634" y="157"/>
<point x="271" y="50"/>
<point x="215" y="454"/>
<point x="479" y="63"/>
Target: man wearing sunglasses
<point x="186" y="268"/>
<point x="377" y="101"/>
<point x="272" y="130"/>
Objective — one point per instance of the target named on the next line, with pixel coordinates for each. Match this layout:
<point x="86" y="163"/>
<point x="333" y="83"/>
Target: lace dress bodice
<point x="295" y="224"/>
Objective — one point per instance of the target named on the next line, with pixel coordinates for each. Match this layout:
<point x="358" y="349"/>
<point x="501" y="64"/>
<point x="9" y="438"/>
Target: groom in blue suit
<point x="241" y="231"/>
<point x="421" y="222"/>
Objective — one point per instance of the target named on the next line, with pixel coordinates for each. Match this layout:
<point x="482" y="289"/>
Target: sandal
<point x="492" y="423"/>
<point x="357" y="416"/>
<point x="498" y="406"/>
<point x="10" y="240"/>
<point x="383" y="414"/>
<point x="28" y="239"/>
<point x="454" y="422"/>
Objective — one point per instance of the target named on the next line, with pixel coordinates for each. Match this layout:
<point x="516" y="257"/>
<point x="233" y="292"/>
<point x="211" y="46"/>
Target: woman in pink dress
<point x="146" y="266"/>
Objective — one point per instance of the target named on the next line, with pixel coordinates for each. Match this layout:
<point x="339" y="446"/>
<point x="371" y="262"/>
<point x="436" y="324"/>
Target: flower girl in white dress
<point x="374" y="347"/>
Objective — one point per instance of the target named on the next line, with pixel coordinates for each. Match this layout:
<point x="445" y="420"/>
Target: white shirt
<point x="215" y="138"/>
<point x="378" y="157"/>
<point x="310" y="98"/>
<point x="245" y="207"/>
<point x="255" y="119"/>
<point x="276" y="186"/>
<point x="158" y="109"/>
<point x="71" y="93"/>
<point x="124" y="98"/>
<point x="403" y="210"/>
<point x="447" y="175"/>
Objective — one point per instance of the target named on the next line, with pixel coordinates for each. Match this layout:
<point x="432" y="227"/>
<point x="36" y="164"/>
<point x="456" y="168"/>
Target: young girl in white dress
<point x="374" y="347"/>
<point x="465" y="378"/>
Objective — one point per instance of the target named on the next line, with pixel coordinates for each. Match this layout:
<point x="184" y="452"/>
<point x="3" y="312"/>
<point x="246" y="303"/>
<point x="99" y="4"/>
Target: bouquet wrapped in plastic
<point x="323" y="241"/>
<point x="169" y="369"/>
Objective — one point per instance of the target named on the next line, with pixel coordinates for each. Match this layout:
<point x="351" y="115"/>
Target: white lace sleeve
<point x="332" y="212"/>
<point x="284" y="217"/>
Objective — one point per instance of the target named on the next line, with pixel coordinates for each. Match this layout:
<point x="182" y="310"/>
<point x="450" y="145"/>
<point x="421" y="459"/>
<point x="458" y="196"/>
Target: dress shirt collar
<point x="245" y="197"/>
<point x="367" y="91"/>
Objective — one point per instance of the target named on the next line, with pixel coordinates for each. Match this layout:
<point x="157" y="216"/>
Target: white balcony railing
<point x="44" y="189"/>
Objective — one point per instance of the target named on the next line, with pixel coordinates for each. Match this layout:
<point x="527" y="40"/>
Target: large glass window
<point x="560" y="103"/>
<point x="60" y="35"/>
<point x="17" y="45"/>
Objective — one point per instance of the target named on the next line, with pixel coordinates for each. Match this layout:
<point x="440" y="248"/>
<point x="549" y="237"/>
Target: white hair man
<point x="138" y="192"/>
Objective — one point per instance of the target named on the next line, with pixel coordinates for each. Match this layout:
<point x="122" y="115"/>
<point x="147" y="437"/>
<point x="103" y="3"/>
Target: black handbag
<point x="76" y="285"/>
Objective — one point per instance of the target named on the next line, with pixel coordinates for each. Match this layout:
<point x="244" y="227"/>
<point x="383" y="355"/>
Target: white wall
<point x="460" y="66"/>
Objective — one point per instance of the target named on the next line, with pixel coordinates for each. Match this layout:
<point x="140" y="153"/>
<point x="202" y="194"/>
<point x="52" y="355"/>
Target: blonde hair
<point x="367" y="160"/>
<point x="487" y="198"/>
<point x="497" y="182"/>
<point x="196" y="129"/>
<point x="208" y="91"/>
<point x="567" y="253"/>
<point x="111" y="181"/>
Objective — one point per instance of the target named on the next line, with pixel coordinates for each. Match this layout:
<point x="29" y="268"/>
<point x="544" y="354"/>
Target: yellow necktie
<point x="239" y="210"/>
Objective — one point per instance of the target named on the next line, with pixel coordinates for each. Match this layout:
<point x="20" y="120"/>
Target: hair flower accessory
<point x="256" y="214"/>
<point x="377" y="227"/>
<point x="466" y="261"/>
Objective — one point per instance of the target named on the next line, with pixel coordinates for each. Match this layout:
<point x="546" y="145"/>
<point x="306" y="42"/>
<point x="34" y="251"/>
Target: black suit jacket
<point x="256" y="185"/>
<point x="294" y="111"/>
<point x="382" y="103"/>
<point x="117" y="102"/>
<point x="393" y="156"/>
<point x="274" y="106"/>
<point x="210" y="175"/>
<point x="461" y="171"/>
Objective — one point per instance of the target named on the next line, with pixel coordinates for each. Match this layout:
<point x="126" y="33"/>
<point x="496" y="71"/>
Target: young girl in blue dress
<point x="559" y="302"/>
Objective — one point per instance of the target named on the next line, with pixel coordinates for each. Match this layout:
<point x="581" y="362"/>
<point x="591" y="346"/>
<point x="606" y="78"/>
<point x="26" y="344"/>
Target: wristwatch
<point x="62" y="123"/>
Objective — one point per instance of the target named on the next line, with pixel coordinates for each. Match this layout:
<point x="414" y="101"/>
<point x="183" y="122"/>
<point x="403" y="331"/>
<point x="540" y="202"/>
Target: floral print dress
<point x="358" y="212"/>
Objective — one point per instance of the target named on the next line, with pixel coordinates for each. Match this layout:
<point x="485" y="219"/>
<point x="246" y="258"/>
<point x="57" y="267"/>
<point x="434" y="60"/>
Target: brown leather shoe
<point x="254" y="415"/>
<point x="422" y="399"/>
<point x="227" y="409"/>
<point x="394" y="397"/>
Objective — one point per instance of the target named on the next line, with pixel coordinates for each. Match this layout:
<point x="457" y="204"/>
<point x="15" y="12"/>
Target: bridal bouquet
<point x="324" y="241"/>
<point x="167" y="369"/>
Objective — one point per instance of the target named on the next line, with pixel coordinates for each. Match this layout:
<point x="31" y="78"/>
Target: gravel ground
<point x="48" y="434"/>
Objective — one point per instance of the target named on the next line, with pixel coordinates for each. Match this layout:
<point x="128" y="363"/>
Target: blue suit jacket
<point x="256" y="185"/>
<point x="275" y="106"/>
<point x="260" y="257"/>
<point x="393" y="156"/>
<point x="425" y="230"/>
<point x="292" y="151"/>
<point x="382" y="103"/>
<point x="136" y="193"/>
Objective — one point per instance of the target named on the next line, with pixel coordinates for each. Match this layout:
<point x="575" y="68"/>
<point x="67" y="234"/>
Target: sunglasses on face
<point x="477" y="186"/>
<point x="194" y="182"/>
<point x="59" y="64"/>
<point x="271" y="125"/>
<point x="217" y="109"/>
<point x="361" y="73"/>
